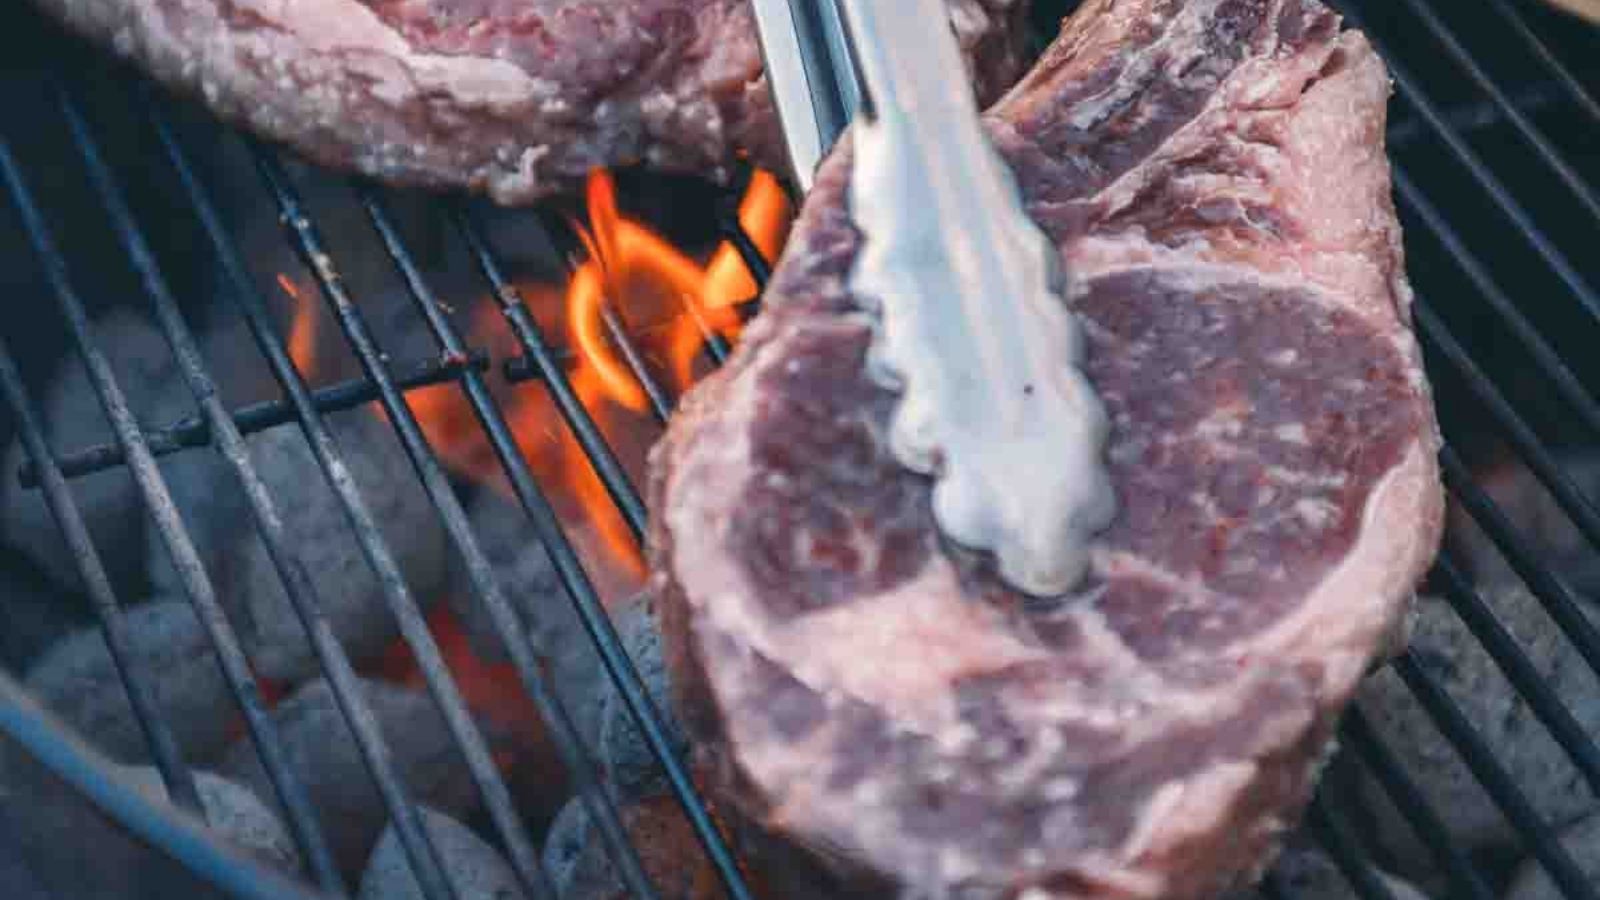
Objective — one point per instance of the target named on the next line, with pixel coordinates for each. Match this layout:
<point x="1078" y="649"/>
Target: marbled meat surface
<point x="516" y="98"/>
<point x="877" y="711"/>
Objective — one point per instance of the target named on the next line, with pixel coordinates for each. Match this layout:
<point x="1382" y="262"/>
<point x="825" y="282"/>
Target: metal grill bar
<point x="1465" y="878"/>
<point x="1579" y="396"/>
<point x="1520" y="671"/>
<point x="196" y="584"/>
<point x="749" y="253"/>
<point x="659" y="399"/>
<point x="193" y="431"/>
<point x="175" y="775"/>
<point x="716" y="347"/>
<point x="1521" y="437"/>
<point x="1513" y="210"/>
<point x="520" y="368"/>
<point x="536" y="348"/>
<point x="1548" y="587"/>
<point x="622" y="492"/>
<point x="396" y="591"/>
<point x="1538" y="837"/>
<point x="1472" y="117"/>
<point x="188" y="843"/>
<point x="660" y="404"/>
<point x="1529" y="132"/>
<point x="587" y="603"/>
<point x="1345" y="852"/>
<point x="506" y="623"/>
<point x="1574" y="88"/>
<point x="296" y="581"/>
<point x="1551" y="589"/>
<point x="485" y="584"/>
<point x="396" y="594"/>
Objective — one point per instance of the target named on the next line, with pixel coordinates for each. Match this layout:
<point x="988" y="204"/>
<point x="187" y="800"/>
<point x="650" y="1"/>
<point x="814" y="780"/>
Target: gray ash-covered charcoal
<point x="1538" y="518"/>
<point x="631" y="769"/>
<point x="1582" y="841"/>
<point x="74" y="420"/>
<point x="475" y="869"/>
<point x="1310" y="874"/>
<point x="246" y="581"/>
<point x="578" y="862"/>
<point x="519" y="560"/>
<point x="77" y="681"/>
<point x="530" y="584"/>
<point x="1449" y="652"/>
<point x="15" y="872"/>
<point x="565" y="841"/>
<point x="234" y="812"/>
<point x="34" y="614"/>
<point x="76" y="851"/>
<point x="322" y="752"/>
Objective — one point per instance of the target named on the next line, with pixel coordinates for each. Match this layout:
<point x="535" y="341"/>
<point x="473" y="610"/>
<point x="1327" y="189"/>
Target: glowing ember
<point x="489" y="688"/>
<point x="451" y="428"/>
<point x="302" y="329"/>
<point x="493" y="691"/>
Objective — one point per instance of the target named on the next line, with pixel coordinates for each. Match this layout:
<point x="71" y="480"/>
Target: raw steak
<point x="517" y="98"/>
<point x="874" y="708"/>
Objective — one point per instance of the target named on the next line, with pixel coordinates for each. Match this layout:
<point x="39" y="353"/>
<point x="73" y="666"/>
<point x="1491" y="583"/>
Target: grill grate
<point x="1468" y="125"/>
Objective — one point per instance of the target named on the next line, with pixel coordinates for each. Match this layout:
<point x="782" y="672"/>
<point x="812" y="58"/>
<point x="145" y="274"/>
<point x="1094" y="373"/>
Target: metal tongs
<point x="965" y="291"/>
<point x="812" y="76"/>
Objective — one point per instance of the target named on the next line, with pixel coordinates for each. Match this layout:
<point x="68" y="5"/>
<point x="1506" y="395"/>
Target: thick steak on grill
<point x="876" y="708"/>
<point x="518" y="98"/>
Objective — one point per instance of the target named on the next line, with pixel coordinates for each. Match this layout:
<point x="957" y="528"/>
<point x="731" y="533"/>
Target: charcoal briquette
<point x="77" y="680"/>
<point x="632" y="770"/>
<point x="76" y="851"/>
<point x="243" y="574"/>
<point x="579" y="863"/>
<point x="475" y="869"/>
<point x="1582" y="842"/>
<point x="1449" y="653"/>
<point x="322" y="752"/>
<point x="108" y="501"/>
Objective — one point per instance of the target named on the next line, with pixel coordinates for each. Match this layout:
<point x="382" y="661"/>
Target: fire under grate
<point x="1489" y="154"/>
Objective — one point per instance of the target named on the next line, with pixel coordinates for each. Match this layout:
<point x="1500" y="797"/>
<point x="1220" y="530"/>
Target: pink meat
<point x="877" y="711"/>
<point x="516" y="98"/>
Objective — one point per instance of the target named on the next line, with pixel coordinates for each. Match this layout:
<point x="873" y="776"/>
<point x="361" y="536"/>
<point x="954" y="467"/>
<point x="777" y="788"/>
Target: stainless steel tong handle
<point x="810" y="73"/>
<point x="970" y="327"/>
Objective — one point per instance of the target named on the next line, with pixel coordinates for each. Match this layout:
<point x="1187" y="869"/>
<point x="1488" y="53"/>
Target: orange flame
<point x="585" y="295"/>
<point x="630" y="272"/>
<point x="764" y="215"/>
<point x="613" y="531"/>
<point x="626" y="256"/>
<point x="302" y="329"/>
<point x="626" y="260"/>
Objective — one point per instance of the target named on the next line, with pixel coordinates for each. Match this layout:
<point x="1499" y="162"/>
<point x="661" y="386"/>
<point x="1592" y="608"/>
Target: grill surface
<point x="1493" y="141"/>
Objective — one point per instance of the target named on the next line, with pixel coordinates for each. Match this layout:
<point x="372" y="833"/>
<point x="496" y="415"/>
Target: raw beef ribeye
<point x="876" y="710"/>
<point x="517" y="98"/>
